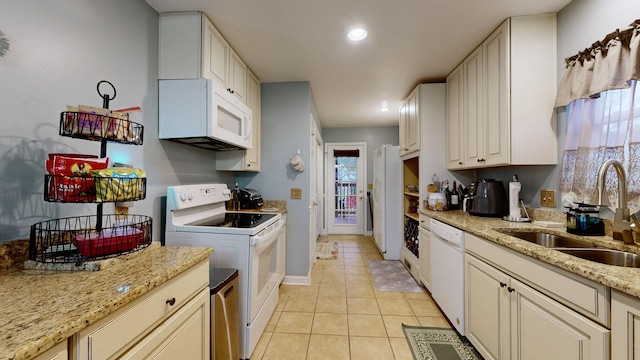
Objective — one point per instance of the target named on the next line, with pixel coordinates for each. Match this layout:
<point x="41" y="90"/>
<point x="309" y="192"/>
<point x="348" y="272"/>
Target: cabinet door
<point x="487" y="305"/>
<point x="215" y="53"/>
<point x="455" y="118"/>
<point x="237" y="77"/>
<point x="474" y="129"/>
<point x="543" y="329"/>
<point x="412" y="135"/>
<point x="625" y="326"/>
<point x="425" y="256"/>
<point x="185" y="335"/>
<point x="252" y="160"/>
<point x="496" y="103"/>
<point x="402" y="123"/>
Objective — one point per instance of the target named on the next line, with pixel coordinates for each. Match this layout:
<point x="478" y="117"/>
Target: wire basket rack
<point x="75" y="240"/>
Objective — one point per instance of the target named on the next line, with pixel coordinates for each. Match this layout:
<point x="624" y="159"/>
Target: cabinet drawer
<point x="112" y="334"/>
<point x="424" y="221"/>
<point x="184" y="335"/>
<point x="57" y="352"/>
<point x="580" y="294"/>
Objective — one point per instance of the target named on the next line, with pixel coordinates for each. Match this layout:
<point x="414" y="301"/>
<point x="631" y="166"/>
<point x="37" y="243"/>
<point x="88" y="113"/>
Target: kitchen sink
<point x="549" y="240"/>
<point x="606" y="256"/>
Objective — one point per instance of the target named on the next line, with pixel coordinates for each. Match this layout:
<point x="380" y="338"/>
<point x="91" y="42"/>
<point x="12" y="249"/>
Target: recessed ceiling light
<point x="385" y="106"/>
<point x="357" y="34"/>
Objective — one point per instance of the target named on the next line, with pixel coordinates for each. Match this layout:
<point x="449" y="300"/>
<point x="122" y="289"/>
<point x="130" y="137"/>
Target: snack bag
<point x="73" y="181"/>
<point x="119" y="184"/>
<point x="90" y="120"/>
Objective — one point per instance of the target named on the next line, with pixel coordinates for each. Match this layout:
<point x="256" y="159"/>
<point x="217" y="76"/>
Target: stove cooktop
<point x="234" y="220"/>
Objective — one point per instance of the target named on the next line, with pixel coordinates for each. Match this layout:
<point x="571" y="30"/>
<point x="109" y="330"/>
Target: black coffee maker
<point x="487" y="198"/>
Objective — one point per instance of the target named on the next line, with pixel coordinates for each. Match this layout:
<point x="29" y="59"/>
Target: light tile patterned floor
<point x="342" y="315"/>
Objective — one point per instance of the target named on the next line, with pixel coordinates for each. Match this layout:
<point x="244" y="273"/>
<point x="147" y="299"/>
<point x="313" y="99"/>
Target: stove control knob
<point x="183" y="196"/>
<point x="190" y="196"/>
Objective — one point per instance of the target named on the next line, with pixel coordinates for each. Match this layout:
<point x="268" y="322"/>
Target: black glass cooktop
<point x="234" y="220"/>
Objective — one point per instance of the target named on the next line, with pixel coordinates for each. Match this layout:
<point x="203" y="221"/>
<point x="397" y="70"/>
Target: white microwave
<point x="200" y="112"/>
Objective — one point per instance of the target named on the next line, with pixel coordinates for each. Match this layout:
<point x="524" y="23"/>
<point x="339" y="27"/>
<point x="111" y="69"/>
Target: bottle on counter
<point x="236" y="198"/>
<point x="455" y="197"/>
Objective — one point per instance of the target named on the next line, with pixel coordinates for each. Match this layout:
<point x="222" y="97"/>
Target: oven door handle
<point x="268" y="239"/>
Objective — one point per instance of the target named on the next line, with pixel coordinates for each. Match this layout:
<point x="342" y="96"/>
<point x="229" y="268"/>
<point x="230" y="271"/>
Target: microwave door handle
<point x="248" y="128"/>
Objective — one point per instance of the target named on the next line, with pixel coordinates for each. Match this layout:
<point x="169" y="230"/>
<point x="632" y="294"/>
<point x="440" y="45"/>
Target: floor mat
<point x="391" y="275"/>
<point x="327" y="250"/>
<point x="429" y="343"/>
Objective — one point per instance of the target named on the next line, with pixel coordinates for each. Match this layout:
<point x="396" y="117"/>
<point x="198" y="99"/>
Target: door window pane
<point x="346" y="174"/>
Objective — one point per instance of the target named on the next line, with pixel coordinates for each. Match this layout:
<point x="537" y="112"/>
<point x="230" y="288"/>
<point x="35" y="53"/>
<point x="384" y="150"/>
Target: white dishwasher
<point x="447" y="271"/>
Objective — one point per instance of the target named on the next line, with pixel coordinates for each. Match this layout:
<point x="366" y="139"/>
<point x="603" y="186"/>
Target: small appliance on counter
<point x="250" y="199"/>
<point x="515" y="213"/>
<point x="584" y="219"/>
<point x="487" y="198"/>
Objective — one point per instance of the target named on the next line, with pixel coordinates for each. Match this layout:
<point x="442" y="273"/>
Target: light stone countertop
<point x="42" y="308"/>
<point x="621" y="278"/>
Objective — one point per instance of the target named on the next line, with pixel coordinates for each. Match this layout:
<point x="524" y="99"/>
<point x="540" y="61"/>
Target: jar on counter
<point x="437" y="201"/>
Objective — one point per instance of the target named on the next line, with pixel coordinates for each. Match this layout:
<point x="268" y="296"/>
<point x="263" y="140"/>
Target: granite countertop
<point x="43" y="308"/>
<point x="621" y="278"/>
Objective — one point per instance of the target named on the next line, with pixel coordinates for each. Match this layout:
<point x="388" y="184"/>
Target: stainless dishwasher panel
<point x="225" y="326"/>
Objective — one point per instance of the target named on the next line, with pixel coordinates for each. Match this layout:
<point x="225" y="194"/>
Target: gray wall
<point x="372" y="136"/>
<point x="285" y="123"/>
<point x="57" y="59"/>
<point x="580" y="24"/>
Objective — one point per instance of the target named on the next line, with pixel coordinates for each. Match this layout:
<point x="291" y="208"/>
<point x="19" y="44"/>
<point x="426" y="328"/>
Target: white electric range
<point x="247" y="241"/>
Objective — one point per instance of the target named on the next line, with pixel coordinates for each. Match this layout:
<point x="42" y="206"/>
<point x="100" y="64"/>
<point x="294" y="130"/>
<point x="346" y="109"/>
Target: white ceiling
<point x="409" y="42"/>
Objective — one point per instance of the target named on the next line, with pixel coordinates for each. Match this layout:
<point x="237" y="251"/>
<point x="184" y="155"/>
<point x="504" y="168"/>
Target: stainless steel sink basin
<point x="549" y="240"/>
<point x="606" y="256"/>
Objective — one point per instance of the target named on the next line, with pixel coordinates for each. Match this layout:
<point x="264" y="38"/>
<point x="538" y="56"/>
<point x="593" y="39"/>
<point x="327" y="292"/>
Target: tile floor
<point x="342" y="315"/>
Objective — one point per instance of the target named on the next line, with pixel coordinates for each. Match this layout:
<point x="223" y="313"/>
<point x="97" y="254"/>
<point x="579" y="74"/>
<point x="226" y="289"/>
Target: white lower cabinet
<point x="625" y="326"/>
<point x="508" y="319"/>
<point x="172" y="321"/>
<point x="424" y="260"/>
<point x="180" y="336"/>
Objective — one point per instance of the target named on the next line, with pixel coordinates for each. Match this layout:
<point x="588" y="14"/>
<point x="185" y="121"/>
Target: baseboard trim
<point x="296" y="280"/>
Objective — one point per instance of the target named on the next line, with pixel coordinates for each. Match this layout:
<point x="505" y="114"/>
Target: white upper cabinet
<point x="410" y="126"/>
<point x="510" y="84"/>
<point x="455" y="118"/>
<point x="190" y="47"/>
<point x="473" y="124"/>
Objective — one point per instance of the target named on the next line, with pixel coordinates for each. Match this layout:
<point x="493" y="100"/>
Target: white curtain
<point x="603" y="107"/>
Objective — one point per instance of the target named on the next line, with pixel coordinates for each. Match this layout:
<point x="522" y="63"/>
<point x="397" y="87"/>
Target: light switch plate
<point x="548" y="198"/>
<point x="296" y="193"/>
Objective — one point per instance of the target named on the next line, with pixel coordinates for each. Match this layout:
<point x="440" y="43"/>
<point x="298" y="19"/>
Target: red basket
<point x="108" y="241"/>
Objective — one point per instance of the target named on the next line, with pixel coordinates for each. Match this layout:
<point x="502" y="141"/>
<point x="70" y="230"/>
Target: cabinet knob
<point x="510" y="289"/>
<point x="171" y="301"/>
<point x="502" y="284"/>
<point x="459" y="162"/>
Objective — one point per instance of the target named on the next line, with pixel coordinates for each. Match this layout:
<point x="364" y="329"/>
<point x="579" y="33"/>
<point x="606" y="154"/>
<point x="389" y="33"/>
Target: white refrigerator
<point x="387" y="201"/>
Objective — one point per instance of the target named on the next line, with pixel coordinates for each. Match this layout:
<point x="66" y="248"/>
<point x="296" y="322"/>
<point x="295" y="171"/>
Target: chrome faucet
<point x="622" y="225"/>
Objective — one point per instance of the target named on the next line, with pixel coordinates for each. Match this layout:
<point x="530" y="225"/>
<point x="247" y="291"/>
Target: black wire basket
<point x="77" y="239"/>
<point x="82" y="189"/>
<point x="100" y="127"/>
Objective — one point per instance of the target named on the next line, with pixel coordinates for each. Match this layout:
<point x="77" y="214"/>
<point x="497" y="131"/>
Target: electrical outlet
<point x="548" y="198"/>
<point x="296" y="193"/>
